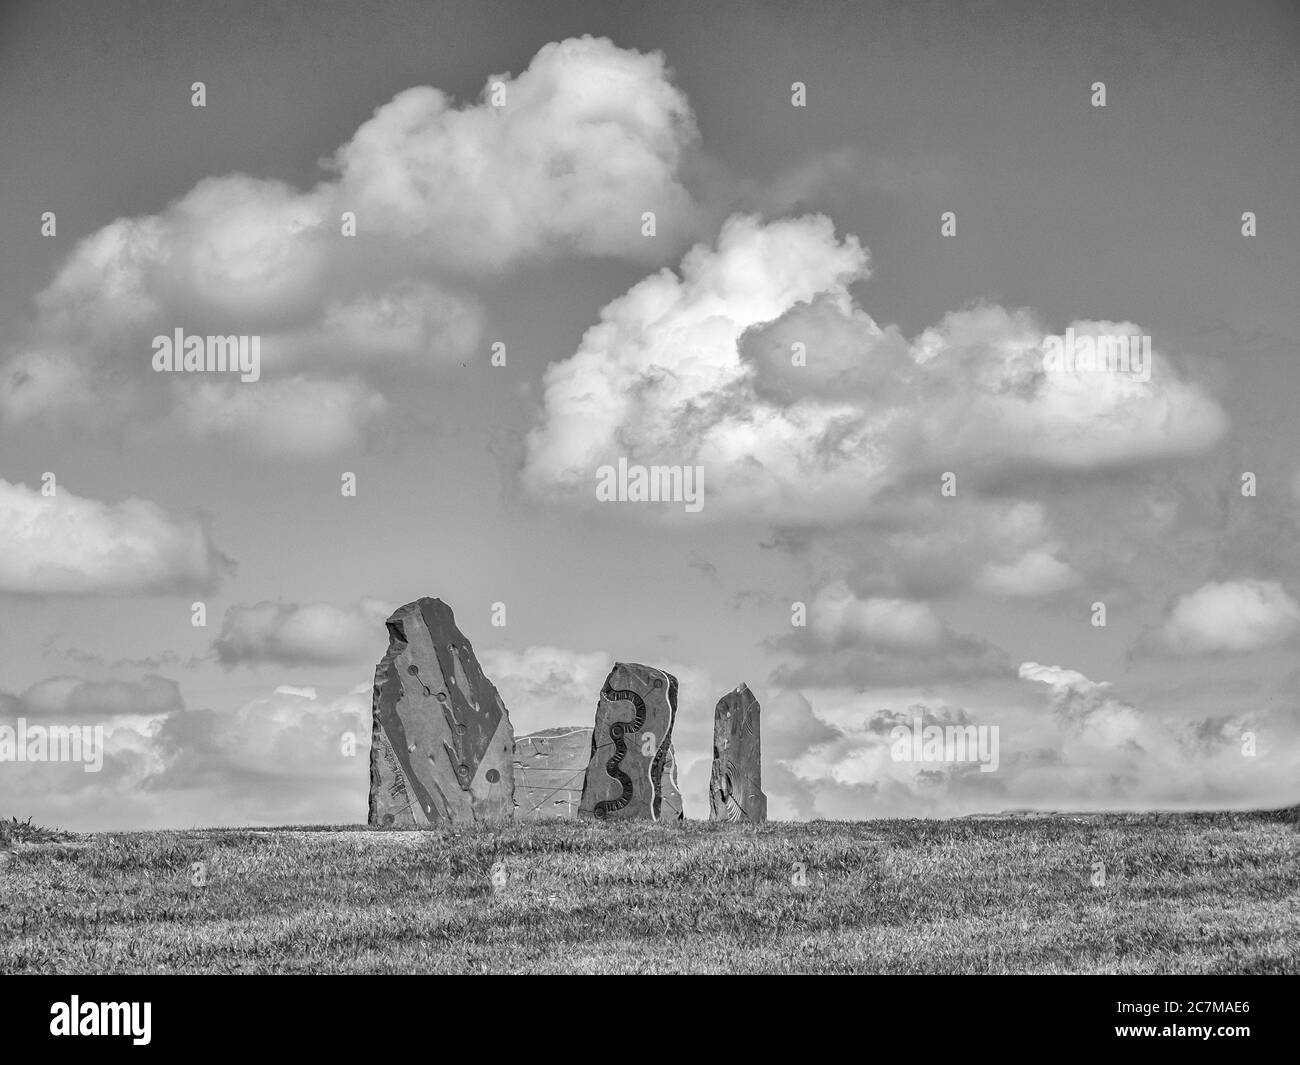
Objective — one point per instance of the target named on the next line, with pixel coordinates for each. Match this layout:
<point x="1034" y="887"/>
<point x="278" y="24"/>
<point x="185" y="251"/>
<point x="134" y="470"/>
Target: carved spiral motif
<point x="733" y="811"/>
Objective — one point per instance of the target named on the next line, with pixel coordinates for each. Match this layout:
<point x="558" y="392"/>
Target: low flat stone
<point x="442" y="746"/>
<point x="549" y="769"/>
<point x="631" y="745"/>
<point x="736" y="779"/>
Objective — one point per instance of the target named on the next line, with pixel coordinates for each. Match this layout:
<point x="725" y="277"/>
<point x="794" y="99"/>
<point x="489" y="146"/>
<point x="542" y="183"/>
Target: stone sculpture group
<point x="443" y="749"/>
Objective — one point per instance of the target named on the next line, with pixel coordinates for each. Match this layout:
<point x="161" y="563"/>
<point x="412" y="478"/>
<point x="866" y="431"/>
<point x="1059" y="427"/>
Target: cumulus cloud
<point x="1082" y="747"/>
<point x="838" y="617"/>
<point x="588" y="138"/>
<point x="67" y="545"/>
<point x="289" y="757"/>
<point x="1233" y="617"/>
<point x="283" y="752"/>
<point x="1056" y="676"/>
<point x="755" y="362"/>
<point x="854" y="640"/>
<point x="1035" y="573"/>
<point x="294" y="634"/>
<point x="918" y="545"/>
<point x="585" y="140"/>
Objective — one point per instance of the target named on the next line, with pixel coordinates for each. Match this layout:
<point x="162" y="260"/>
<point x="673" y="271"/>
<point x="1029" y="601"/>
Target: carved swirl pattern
<point x="617" y="731"/>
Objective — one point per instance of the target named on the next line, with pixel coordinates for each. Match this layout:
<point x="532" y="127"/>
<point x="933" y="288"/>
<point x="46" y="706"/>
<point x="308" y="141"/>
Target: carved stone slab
<point x="549" y="769"/>
<point x="736" y="780"/>
<point x="442" y="746"/>
<point x="630" y="747"/>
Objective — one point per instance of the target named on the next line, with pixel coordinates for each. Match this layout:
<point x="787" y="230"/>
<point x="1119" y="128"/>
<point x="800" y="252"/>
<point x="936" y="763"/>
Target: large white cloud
<point x="65" y="544"/>
<point x="590" y="136"/>
<point x="704" y="368"/>
<point x="1231" y="616"/>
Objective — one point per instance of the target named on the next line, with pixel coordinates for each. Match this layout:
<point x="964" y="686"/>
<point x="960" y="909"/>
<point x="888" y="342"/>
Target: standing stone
<point x="442" y="746"/>
<point x="631" y="746"/>
<point x="736" y="781"/>
<point x="670" y="806"/>
<point x="549" y="769"/>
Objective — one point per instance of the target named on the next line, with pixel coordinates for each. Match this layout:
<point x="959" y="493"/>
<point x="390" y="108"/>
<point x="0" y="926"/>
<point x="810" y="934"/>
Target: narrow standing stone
<point x="736" y="781"/>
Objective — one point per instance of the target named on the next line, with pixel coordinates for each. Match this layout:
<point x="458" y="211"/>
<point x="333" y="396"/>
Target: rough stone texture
<point x="442" y="747"/>
<point x="670" y="806"/>
<point x="631" y="747"/>
<point x="736" y="781"/>
<point x="549" y="769"/>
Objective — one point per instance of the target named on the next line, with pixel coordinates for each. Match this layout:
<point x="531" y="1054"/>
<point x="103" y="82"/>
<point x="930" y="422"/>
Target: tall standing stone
<point x="442" y="746"/>
<point x="631" y="747"/>
<point x="549" y="769"/>
<point x="736" y="781"/>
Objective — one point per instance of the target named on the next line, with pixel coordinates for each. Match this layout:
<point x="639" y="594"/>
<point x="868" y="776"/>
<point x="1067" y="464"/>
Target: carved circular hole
<point x="493" y="776"/>
<point x="414" y="670"/>
<point x="460" y="729"/>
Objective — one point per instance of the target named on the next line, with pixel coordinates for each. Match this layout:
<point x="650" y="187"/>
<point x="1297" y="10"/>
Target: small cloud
<point x="1231" y="617"/>
<point x="292" y="634"/>
<point x="878" y="640"/>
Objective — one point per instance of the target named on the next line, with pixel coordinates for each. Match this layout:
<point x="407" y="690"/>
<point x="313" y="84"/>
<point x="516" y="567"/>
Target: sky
<point x="871" y="225"/>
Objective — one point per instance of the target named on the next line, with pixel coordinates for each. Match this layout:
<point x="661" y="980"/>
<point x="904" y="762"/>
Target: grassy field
<point x="1195" y="893"/>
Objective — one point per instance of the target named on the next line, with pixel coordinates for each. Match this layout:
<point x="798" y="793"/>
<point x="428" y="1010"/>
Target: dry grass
<point x="1203" y="893"/>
